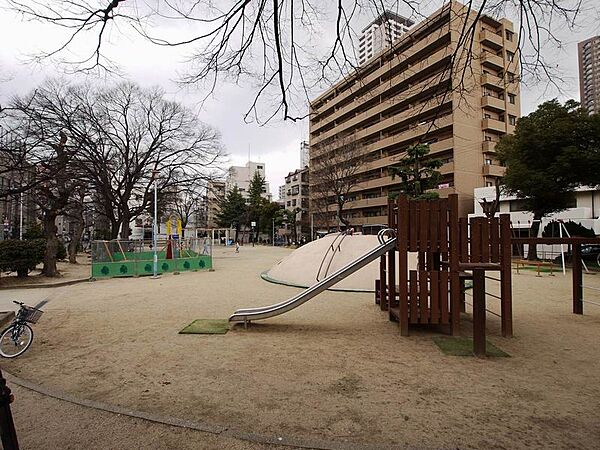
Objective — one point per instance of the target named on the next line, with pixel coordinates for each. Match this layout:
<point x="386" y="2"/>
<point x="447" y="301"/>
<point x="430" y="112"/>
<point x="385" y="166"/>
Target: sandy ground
<point x="334" y="369"/>
<point x="47" y="423"/>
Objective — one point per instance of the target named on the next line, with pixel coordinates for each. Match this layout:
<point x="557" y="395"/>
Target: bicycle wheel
<point x="15" y="340"/>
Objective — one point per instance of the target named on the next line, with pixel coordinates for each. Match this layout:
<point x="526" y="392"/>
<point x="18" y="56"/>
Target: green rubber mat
<point x="463" y="346"/>
<point x="207" y="326"/>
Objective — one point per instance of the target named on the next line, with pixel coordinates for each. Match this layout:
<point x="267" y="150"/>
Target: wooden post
<point x="577" y="280"/>
<point x="479" y="312"/>
<point x="8" y="434"/>
<point x="382" y="284"/>
<point x="391" y="278"/>
<point x="454" y="262"/>
<point x="506" y="276"/>
<point x="403" y="230"/>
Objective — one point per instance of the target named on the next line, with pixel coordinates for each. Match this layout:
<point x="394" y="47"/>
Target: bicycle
<point x="17" y="338"/>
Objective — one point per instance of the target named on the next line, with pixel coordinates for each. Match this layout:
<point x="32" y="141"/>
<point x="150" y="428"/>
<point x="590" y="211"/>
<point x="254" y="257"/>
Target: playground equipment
<point x="246" y="315"/>
<point x="336" y="246"/>
<point x="119" y="258"/>
<point x="450" y="251"/>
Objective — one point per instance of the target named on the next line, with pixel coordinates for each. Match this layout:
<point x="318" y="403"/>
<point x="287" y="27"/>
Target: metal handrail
<point x="341" y="234"/>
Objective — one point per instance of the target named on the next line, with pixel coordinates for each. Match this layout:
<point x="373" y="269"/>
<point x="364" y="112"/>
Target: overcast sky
<point x="276" y="144"/>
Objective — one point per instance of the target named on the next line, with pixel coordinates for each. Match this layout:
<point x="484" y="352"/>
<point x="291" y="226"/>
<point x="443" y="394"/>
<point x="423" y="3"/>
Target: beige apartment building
<point x="588" y="52"/>
<point x="414" y="93"/>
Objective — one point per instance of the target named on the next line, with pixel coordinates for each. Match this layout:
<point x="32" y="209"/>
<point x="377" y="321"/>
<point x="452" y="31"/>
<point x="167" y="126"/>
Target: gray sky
<point x="276" y="144"/>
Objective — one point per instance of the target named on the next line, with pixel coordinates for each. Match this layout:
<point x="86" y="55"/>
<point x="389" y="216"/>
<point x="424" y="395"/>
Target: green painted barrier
<point x="135" y="267"/>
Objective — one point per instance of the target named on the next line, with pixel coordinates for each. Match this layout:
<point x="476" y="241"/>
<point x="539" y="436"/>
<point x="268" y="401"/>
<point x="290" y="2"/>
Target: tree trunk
<point x="340" y="208"/>
<point x="74" y="244"/>
<point x="535" y="228"/>
<point x="125" y="226"/>
<point x="52" y="244"/>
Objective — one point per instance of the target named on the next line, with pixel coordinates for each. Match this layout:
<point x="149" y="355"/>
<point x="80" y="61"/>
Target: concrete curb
<point x="49" y="285"/>
<point x="193" y="425"/>
<point x="266" y="277"/>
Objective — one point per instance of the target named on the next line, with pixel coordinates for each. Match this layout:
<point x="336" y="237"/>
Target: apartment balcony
<point x="367" y="202"/>
<point x="494" y="125"/>
<point x="489" y="146"/>
<point x="493" y="170"/>
<point x="447" y="168"/>
<point x="373" y="220"/>
<point x="491" y="39"/>
<point x="492" y="81"/>
<point x="493" y="103"/>
<point x="492" y="61"/>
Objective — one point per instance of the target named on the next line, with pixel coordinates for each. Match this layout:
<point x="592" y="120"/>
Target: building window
<point x="488" y="162"/>
<point x="259" y="167"/>
<point x="510" y="56"/>
<point x="509" y="35"/>
<point x="294" y="202"/>
<point x="487" y="116"/>
<point x="289" y="203"/>
<point x="488" y="184"/>
<point x="512" y="120"/>
<point x="512" y="98"/>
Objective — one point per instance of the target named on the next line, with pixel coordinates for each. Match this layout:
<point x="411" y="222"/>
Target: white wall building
<point x="242" y="176"/>
<point x="585" y="210"/>
<point x="381" y="33"/>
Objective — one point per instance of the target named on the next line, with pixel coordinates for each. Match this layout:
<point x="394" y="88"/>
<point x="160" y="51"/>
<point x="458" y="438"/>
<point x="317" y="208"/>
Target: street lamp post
<point x="155" y="225"/>
<point x="273" y="231"/>
<point x="21" y="219"/>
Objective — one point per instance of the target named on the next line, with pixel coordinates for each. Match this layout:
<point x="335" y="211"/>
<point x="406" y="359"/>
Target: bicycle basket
<point x="31" y="314"/>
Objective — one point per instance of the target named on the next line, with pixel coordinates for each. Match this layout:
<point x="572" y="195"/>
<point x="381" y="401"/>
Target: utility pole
<point x="21" y="219"/>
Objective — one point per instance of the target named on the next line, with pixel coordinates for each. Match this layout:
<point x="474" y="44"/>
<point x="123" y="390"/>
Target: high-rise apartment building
<point x="589" y="73"/>
<point x="380" y="34"/>
<point x="413" y="93"/>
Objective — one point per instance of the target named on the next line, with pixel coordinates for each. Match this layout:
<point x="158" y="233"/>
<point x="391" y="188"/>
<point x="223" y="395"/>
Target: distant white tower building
<point x="304" y="154"/>
<point x="381" y="33"/>
<point x="241" y="176"/>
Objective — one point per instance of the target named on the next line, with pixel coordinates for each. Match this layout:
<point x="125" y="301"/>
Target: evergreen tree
<point x="553" y="150"/>
<point x="232" y="211"/>
<point x="256" y="201"/>
<point x="417" y="172"/>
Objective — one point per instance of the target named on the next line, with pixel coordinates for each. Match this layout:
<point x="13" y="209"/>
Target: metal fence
<point x="121" y="258"/>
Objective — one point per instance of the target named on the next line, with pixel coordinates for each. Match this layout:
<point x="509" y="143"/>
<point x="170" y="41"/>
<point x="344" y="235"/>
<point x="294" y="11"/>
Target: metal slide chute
<point x="265" y="312"/>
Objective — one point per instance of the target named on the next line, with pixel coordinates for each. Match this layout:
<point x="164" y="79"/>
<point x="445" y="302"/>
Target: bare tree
<point x="185" y="202"/>
<point x="334" y="172"/>
<point x="285" y="48"/>
<point x="126" y="133"/>
<point x="39" y="121"/>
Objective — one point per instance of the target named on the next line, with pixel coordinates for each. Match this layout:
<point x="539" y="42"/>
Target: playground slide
<point x="249" y="314"/>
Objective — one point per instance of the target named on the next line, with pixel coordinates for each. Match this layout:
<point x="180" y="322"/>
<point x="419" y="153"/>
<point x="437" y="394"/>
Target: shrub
<point x="21" y="256"/>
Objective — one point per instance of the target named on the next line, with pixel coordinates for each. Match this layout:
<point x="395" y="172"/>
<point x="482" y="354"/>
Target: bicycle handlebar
<point x="18" y="303"/>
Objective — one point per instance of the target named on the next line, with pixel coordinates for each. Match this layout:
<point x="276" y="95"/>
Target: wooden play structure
<point x="450" y="251"/>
